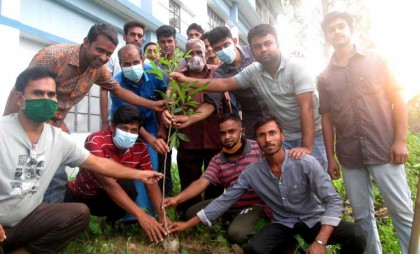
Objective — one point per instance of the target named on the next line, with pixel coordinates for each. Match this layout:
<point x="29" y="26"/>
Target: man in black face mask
<point x="30" y="153"/>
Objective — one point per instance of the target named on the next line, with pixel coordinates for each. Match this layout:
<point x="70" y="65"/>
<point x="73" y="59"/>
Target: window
<point x="175" y="15"/>
<point x="214" y="19"/>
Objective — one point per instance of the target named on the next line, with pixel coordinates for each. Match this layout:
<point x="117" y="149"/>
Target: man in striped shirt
<point x="224" y="169"/>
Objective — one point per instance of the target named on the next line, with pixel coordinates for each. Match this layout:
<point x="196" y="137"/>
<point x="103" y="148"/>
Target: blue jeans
<point x="318" y="150"/>
<point x="392" y="183"/>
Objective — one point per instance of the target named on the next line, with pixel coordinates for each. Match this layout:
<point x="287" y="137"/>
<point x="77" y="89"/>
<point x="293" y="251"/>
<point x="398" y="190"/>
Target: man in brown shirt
<point x="363" y="109"/>
<point x="204" y="135"/>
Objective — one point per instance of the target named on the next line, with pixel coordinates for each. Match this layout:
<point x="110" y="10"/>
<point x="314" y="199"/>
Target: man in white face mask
<point x="204" y="136"/>
<point x="113" y="198"/>
<point x="135" y="78"/>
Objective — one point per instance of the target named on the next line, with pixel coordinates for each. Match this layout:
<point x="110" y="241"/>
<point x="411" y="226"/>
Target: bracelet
<point x="320" y="242"/>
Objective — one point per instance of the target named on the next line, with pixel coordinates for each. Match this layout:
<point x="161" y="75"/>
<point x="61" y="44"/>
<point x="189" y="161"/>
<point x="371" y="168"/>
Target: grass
<point x="124" y="239"/>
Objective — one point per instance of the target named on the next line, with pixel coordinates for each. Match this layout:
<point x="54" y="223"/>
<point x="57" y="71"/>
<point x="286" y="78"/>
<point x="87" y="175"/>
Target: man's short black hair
<point x="127" y="114"/>
<point x="265" y="120"/>
<point x="133" y="23"/>
<point x="336" y="15"/>
<point x="33" y="73"/>
<point x="230" y="116"/>
<point x="196" y="27"/>
<point x="165" y="31"/>
<point x="205" y="36"/>
<point x="103" y="29"/>
<point x="262" y="30"/>
<point x="219" y="33"/>
<point x="147" y="45"/>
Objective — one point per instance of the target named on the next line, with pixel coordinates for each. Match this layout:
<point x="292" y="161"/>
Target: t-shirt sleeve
<point x="302" y="80"/>
<point x="74" y="155"/>
<point x="245" y="78"/>
<point x="106" y="81"/>
<point x="212" y="170"/>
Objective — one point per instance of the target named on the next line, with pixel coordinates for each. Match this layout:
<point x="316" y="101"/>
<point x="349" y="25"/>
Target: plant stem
<point x="164" y="179"/>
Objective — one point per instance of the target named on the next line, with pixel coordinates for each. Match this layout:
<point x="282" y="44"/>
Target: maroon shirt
<point x="358" y="99"/>
<point x="203" y="134"/>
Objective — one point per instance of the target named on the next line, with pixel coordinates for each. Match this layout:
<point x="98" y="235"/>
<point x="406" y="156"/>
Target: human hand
<point x="2" y="234"/>
<point x="167" y="118"/>
<point x="149" y="176"/>
<point x="177" y="77"/>
<point x="153" y="228"/>
<point x="160" y="146"/>
<point x="181" y="121"/>
<point x="298" y="152"/>
<point x="399" y="153"/>
<point x="170" y="202"/>
<point x="333" y="169"/>
<point x="316" y="248"/>
<point x="158" y="105"/>
<point x="178" y="227"/>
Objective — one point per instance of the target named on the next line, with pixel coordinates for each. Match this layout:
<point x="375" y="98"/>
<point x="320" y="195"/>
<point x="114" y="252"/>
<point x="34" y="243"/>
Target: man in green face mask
<point x="30" y="153"/>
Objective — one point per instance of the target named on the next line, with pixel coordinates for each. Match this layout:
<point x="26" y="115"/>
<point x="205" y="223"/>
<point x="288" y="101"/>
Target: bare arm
<point x="2" y="234"/>
<point x="158" y="144"/>
<point x="112" y="169"/>
<point x="103" y="104"/>
<point x="11" y="104"/>
<point x="329" y="134"/>
<point x="307" y="124"/>
<point x="153" y="229"/>
<point x="178" y="227"/>
<point x="323" y="235"/>
<point x="182" y="121"/>
<point x="399" y="151"/>
<point x="194" y="189"/>
<point x="215" y="84"/>
<point x="134" y="99"/>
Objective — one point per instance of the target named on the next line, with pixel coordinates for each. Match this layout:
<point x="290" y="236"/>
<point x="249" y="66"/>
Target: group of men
<point x="277" y="167"/>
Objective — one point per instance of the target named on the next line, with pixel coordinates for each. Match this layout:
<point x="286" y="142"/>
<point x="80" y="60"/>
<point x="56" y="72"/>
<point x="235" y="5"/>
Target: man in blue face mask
<point x="112" y="198"/>
<point x="135" y="78"/>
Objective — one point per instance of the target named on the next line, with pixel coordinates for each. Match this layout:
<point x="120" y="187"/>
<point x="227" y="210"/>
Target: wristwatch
<point x="320" y="242"/>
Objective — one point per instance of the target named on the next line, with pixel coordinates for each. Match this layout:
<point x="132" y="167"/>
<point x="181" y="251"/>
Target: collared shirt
<point x="357" y="97"/>
<point x="147" y="89"/>
<point x="74" y="85"/>
<point x="100" y="144"/>
<point x="280" y="93"/>
<point x="251" y="112"/>
<point x="223" y="171"/>
<point x="303" y="193"/>
<point x="203" y="134"/>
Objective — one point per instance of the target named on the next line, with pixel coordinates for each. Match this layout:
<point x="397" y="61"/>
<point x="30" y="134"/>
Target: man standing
<point x="204" y="142"/>
<point x="79" y="67"/>
<point x="210" y="54"/>
<point x="30" y="153"/>
<point x="362" y="107"/>
<point x="301" y="197"/>
<point x="224" y="169"/>
<point x="285" y="86"/>
<point x="150" y="54"/>
<point x="194" y="31"/>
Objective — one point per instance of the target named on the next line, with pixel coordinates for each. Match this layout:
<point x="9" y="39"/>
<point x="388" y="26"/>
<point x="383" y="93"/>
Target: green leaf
<point x="177" y="110"/>
<point x="183" y="137"/>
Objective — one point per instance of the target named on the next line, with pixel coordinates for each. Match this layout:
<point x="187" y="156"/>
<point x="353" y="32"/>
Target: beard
<point x="196" y="63"/>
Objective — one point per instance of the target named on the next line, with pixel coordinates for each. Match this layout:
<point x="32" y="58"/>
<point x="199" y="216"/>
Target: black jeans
<point x="103" y="205"/>
<point x="275" y="238"/>
<point x="48" y="228"/>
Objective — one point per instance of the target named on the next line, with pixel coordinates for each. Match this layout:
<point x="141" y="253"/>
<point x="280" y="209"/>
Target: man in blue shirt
<point x="299" y="193"/>
<point x="135" y="78"/>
